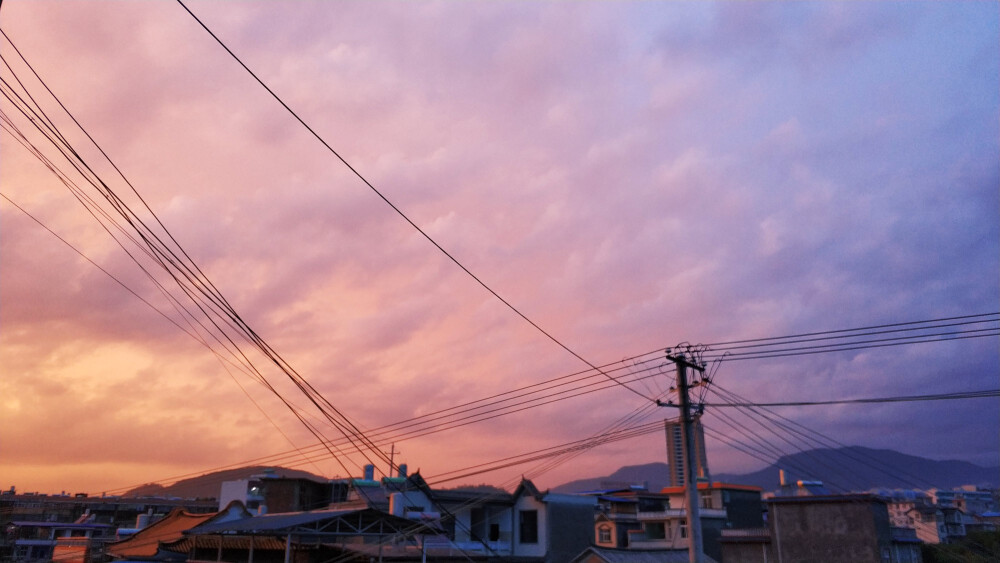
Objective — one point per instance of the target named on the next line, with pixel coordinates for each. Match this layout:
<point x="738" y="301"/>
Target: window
<point x="652" y="505"/>
<point x="656" y="531"/>
<point x="494" y="532"/>
<point x="684" y="530"/>
<point x="706" y="499"/>
<point x="529" y="526"/>
<point x="604" y="534"/>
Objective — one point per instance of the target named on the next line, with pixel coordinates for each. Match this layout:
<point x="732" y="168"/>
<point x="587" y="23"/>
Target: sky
<point x="629" y="176"/>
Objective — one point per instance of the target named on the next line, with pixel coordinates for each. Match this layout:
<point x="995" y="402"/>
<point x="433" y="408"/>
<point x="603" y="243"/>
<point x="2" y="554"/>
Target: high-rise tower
<point x="675" y="452"/>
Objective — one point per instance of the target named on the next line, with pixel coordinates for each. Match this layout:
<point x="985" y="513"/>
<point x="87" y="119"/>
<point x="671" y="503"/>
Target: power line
<point x="188" y="278"/>
<point x="897" y="399"/>
<point x="396" y="209"/>
<point x="811" y="438"/>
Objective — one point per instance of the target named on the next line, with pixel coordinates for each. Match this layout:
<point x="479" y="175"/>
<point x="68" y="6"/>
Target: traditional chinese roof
<point x="146" y="542"/>
<point x="266" y="543"/>
<point x="338" y="522"/>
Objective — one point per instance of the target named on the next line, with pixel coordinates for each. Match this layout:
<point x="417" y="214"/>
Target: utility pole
<point x="696" y="549"/>
<point x="392" y="458"/>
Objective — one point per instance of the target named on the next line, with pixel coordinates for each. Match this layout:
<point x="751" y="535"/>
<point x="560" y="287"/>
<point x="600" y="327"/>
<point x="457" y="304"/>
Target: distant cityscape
<point x="285" y="515"/>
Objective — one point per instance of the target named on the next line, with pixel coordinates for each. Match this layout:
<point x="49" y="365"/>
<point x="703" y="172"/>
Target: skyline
<point x="630" y="177"/>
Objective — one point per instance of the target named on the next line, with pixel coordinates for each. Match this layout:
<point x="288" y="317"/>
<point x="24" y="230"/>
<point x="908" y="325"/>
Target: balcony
<point x="747" y="533"/>
<point x="638" y="544"/>
<point x="668" y="514"/>
<point x="678" y="513"/>
<point x="619" y="516"/>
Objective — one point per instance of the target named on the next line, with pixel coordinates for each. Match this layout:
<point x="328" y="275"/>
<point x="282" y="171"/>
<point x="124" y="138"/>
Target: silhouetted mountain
<point x="653" y="475"/>
<point x="857" y="469"/>
<point x="481" y="488"/>
<point x="208" y="485"/>
<point x="843" y="469"/>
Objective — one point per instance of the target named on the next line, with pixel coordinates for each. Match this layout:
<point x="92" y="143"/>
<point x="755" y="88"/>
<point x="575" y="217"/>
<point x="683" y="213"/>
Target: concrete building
<point x="676" y="459"/>
<point x="833" y="529"/>
<point x="634" y="519"/>
<point x="968" y="499"/>
<point x="269" y="492"/>
<point x="40" y="541"/>
<point x="526" y="525"/>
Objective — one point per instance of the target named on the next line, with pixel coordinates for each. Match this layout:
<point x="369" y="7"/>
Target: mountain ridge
<point x="851" y="468"/>
<point x="209" y="484"/>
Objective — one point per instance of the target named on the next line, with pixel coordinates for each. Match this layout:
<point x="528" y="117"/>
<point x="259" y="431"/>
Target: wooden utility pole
<point x="696" y="548"/>
<point x="392" y="458"/>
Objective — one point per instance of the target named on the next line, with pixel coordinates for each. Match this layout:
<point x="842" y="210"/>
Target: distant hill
<point x="481" y="488"/>
<point x="857" y="468"/>
<point x="653" y="475"/>
<point x="852" y="468"/>
<point x="208" y="485"/>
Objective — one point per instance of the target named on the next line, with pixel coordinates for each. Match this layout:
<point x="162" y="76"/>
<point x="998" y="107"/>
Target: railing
<point x="674" y="513"/>
<point x="499" y="547"/>
<point x="747" y="533"/>
<point x="655" y="544"/>
<point x="668" y="514"/>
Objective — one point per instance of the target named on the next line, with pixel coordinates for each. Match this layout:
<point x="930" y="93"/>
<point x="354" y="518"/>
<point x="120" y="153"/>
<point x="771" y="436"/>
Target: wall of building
<point x="744" y="509"/>
<point x="569" y="525"/>
<point x="520" y="546"/>
<point x="747" y="552"/>
<point x="832" y="532"/>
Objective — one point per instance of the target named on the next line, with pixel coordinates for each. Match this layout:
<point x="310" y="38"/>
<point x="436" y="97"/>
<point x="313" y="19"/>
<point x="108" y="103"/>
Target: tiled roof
<point x="145" y="542"/>
<point x="637" y="556"/>
<point x="185" y="545"/>
<point x="356" y="519"/>
<point x="272" y="522"/>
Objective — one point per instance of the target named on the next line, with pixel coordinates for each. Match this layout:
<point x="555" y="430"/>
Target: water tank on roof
<point x="397" y="504"/>
<point x="402" y="470"/>
<point x="369" y="472"/>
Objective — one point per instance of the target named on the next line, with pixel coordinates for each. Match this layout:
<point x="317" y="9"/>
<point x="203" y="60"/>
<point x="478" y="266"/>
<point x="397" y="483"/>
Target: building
<point x="351" y="534"/>
<point x="551" y="527"/>
<point x="30" y="518"/>
<point x="799" y="488"/>
<point x="742" y="504"/>
<point x="41" y="541"/>
<point x="400" y="518"/>
<point x="968" y="499"/>
<point x="634" y="519"/>
<point x="147" y="544"/>
<point x="269" y="492"/>
<point x="934" y="521"/>
<point x="676" y="459"/>
<point x="853" y="528"/>
<point x="638" y="520"/>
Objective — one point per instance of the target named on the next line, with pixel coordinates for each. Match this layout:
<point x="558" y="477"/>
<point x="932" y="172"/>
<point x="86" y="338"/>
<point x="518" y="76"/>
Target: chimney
<point x="369" y="472"/>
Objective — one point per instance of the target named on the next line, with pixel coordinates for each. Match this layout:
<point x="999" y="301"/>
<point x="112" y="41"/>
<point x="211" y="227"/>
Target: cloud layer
<point x="629" y="176"/>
